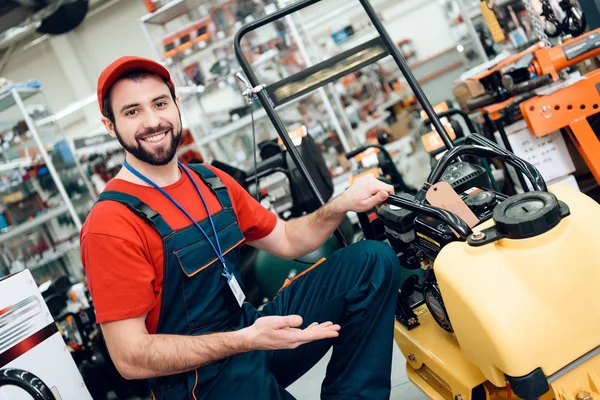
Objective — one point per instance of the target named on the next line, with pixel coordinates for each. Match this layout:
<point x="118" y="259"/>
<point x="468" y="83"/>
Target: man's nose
<point x="151" y="119"/>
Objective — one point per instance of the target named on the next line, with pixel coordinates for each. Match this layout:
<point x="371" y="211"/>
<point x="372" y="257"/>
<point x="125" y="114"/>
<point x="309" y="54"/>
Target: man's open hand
<point x="276" y="332"/>
<point x="365" y="193"/>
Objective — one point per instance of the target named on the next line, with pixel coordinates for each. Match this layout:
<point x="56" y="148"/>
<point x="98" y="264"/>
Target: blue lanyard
<point x="218" y="252"/>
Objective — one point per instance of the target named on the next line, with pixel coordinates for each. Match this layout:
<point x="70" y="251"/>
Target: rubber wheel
<point x="27" y="381"/>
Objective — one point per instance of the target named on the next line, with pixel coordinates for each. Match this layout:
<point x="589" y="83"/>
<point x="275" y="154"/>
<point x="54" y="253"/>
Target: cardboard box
<point x="30" y="341"/>
<point x="401" y="127"/>
<point x="466" y="90"/>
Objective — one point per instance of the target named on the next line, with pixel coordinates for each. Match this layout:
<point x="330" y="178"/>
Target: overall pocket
<point x="209" y="303"/>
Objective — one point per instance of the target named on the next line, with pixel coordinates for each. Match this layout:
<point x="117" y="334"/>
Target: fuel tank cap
<point x="528" y="214"/>
<point x="481" y="201"/>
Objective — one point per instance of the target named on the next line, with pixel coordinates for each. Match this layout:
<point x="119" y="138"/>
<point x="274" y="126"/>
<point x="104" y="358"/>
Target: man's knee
<point x="380" y="258"/>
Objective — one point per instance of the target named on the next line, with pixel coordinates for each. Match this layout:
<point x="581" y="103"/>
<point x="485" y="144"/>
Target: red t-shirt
<point x="123" y="255"/>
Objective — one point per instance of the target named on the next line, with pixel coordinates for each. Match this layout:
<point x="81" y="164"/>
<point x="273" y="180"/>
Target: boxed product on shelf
<point x="25" y="208"/>
<point x="170" y="45"/>
<point x="223" y="16"/>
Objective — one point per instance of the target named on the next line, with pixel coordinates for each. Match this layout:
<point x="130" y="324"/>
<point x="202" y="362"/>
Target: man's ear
<point x="178" y="102"/>
<point x="110" y="127"/>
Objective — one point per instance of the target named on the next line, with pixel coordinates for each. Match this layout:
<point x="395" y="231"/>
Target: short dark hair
<point x="134" y="75"/>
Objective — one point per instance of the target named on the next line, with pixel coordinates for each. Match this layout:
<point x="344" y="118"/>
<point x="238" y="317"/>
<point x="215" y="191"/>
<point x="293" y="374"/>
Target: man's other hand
<point x="365" y="193"/>
<point x="276" y="333"/>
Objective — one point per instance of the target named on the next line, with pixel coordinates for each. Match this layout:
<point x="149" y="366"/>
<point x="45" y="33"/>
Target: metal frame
<point x="267" y="104"/>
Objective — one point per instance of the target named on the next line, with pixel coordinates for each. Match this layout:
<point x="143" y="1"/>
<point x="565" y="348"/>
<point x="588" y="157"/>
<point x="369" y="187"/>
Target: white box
<point x="30" y="341"/>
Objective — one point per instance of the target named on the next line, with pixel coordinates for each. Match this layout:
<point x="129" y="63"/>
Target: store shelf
<point x="363" y="128"/>
<point x="13" y="232"/>
<point x="8" y="186"/>
<point x="53" y="257"/>
<point x="474" y="10"/>
<point x="172" y="10"/>
<point x="226" y="41"/>
<point x="7" y="99"/>
<point x="20" y="163"/>
<point x="242" y="122"/>
<point x="233" y="126"/>
<point x="392" y="101"/>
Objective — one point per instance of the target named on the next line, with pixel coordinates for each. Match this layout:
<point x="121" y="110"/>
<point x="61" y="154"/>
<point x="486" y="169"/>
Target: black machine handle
<point x="486" y="149"/>
<point x="453" y="220"/>
<point x="360" y="149"/>
<point x="451" y="113"/>
<point x="272" y="163"/>
<point x="534" y="175"/>
<point x="27" y="381"/>
<point x="520" y="88"/>
<point x="393" y="171"/>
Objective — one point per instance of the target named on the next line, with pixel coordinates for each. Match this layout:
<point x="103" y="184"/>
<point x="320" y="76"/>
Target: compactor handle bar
<point x="488" y="99"/>
<point x="485" y="149"/>
<point x="453" y="220"/>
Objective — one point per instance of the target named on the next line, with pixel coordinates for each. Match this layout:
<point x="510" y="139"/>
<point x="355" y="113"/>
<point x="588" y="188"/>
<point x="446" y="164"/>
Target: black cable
<point x="254" y="149"/>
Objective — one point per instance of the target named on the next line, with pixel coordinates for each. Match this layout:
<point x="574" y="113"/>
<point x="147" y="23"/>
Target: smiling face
<point x="146" y="119"/>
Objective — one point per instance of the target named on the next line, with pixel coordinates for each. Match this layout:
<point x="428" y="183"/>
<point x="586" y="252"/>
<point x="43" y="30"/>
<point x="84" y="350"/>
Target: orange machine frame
<point x="568" y="107"/>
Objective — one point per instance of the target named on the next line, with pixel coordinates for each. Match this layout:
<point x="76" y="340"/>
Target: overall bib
<point x="356" y="288"/>
<point x="195" y="297"/>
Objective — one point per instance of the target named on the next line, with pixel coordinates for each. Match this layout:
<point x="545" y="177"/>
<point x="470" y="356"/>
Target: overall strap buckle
<point x="140" y="208"/>
<point x="214" y="183"/>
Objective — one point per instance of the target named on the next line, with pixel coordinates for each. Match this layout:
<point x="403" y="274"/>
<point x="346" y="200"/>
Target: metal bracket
<point x="250" y="91"/>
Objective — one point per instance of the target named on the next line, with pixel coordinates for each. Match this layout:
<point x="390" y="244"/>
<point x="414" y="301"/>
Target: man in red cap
<point x="161" y="254"/>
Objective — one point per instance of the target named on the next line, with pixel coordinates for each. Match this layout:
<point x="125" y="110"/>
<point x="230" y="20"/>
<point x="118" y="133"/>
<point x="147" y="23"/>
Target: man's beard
<point x="159" y="156"/>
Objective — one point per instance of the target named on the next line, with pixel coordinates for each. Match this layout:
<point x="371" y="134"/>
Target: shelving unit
<point x="42" y="179"/>
<point x="28" y="226"/>
<point x="170" y="11"/>
<point x="206" y="107"/>
<point x="471" y="16"/>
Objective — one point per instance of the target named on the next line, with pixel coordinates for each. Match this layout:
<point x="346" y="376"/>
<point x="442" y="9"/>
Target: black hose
<point x="488" y="99"/>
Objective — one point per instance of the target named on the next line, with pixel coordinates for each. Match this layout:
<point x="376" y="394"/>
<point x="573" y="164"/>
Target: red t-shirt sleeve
<point x="256" y="222"/>
<point x="119" y="275"/>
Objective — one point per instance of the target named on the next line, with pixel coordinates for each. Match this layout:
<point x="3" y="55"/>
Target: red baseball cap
<point x="123" y="65"/>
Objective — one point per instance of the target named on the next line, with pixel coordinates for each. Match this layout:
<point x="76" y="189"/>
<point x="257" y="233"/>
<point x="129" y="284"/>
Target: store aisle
<point x="309" y="386"/>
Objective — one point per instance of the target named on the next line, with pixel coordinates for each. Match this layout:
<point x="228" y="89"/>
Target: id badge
<point x="237" y="290"/>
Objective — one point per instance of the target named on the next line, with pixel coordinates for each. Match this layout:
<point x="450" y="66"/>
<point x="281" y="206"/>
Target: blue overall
<point x="356" y="288"/>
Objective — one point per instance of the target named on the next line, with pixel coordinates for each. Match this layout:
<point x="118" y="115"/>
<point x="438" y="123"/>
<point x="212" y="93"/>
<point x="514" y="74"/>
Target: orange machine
<point x="170" y="45"/>
<point x="432" y="140"/>
<point x="202" y="30"/>
<point x="565" y="105"/>
<point x="185" y="38"/>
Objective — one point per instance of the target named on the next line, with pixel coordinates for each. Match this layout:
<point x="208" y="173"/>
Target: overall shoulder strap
<point x="140" y="208"/>
<point x="214" y="183"/>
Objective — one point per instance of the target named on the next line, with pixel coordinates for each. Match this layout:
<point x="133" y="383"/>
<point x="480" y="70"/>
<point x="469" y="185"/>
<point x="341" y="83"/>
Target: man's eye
<point x="130" y="112"/>
<point x="161" y="104"/>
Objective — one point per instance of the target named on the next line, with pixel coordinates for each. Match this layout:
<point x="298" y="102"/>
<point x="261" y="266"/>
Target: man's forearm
<point x="160" y="355"/>
<point x="308" y="233"/>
